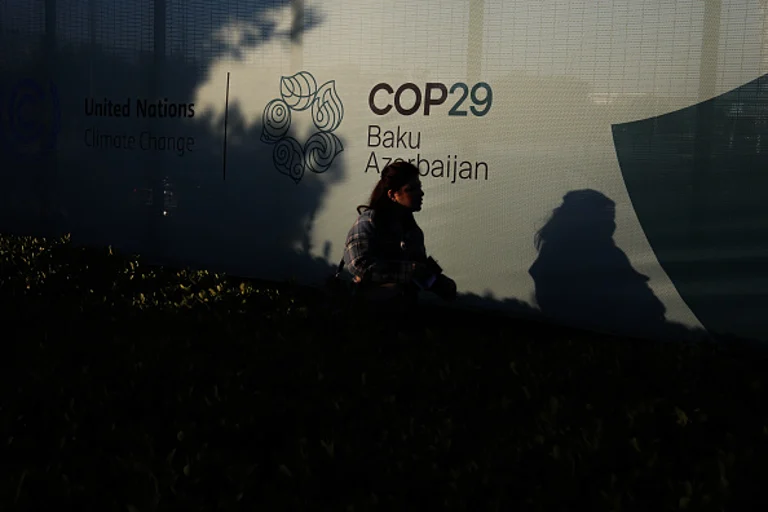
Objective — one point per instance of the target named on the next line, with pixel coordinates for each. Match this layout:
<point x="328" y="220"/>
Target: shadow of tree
<point x="172" y="206"/>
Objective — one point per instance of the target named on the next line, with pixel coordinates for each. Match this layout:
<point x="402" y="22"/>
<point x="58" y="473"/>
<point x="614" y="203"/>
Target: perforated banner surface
<point x="601" y="163"/>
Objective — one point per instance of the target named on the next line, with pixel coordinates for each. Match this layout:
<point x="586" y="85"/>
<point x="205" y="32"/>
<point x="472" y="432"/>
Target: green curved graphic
<point x="698" y="180"/>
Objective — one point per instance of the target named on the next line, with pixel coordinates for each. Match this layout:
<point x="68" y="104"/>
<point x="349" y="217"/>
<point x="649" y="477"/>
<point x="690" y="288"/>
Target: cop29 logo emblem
<point x="300" y="92"/>
<point x="30" y="118"/>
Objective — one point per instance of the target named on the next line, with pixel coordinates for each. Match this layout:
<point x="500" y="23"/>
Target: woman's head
<point x="585" y="217"/>
<point x="398" y="187"/>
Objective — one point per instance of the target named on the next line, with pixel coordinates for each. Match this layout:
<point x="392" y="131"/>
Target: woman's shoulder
<point x="364" y="210"/>
<point x="365" y="215"/>
<point x="363" y="223"/>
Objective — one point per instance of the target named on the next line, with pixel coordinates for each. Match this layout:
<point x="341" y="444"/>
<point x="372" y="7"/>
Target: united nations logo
<point x="30" y="118"/>
<point x="300" y="92"/>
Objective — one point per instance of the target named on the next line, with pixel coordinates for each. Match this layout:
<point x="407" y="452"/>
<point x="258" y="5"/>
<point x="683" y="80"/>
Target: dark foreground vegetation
<point x="131" y="388"/>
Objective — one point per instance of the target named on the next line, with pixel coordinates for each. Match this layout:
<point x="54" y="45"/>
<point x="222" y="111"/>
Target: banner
<point x="602" y="164"/>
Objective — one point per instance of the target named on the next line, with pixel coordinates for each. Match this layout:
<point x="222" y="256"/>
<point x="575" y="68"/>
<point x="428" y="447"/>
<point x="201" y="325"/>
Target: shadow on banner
<point x="582" y="278"/>
<point x="150" y="180"/>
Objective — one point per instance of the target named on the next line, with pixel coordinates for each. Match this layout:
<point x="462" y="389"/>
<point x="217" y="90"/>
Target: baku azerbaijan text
<point x="450" y="168"/>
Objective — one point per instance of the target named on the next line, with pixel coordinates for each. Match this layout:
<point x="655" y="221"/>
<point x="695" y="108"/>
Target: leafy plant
<point x="135" y="387"/>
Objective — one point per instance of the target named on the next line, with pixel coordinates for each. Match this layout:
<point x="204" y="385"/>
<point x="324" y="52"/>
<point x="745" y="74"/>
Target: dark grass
<point x="126" y="389"/>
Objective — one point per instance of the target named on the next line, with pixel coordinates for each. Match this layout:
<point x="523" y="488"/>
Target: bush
<point x="133" y="387"/>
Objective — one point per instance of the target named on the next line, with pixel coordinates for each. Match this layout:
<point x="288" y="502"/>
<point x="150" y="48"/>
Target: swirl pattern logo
<point x="30" y="118"/>
<point x="298" y="93"/>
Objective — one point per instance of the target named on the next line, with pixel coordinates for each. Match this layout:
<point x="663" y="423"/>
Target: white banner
<point x="242" y="135"/>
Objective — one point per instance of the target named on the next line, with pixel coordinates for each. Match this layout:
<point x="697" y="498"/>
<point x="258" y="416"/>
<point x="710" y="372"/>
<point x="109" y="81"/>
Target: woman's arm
<point x="443" y="286"/>
<point x="365" y="264"/>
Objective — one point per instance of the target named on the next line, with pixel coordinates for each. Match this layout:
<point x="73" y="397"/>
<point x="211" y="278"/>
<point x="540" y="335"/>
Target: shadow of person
<point x="583" y="279"/>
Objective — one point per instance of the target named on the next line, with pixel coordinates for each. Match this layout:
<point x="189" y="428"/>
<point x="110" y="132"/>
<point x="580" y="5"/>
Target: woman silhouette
<point x="583" y="278"/>
<point x="384" y="249"/>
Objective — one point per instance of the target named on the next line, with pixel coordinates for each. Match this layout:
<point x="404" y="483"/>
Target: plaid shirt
<point x="379" y="254"/>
